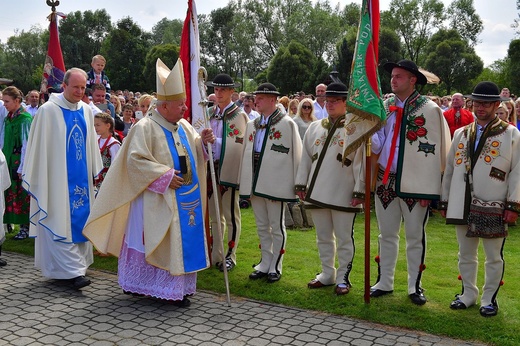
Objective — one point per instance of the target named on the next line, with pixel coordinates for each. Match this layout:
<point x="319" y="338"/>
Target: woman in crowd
<point x="304" y="116"/>
<point x="284" y="100"/>
<point x="510" y="104"/>
<point x="293" y="107"/>
<point x="503" y="113"/>
<point x="468" y="104"/>
<point x="144" y="103"/>
<point x="17" y="125"/>
<point x="117" y="104"/>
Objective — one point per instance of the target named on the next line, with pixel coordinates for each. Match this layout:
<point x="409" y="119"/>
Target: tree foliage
<point x="465" y="20"/>
<point x="81" y="36"/>
<point x="295" y="61"/>
<point x="125" y="49"/>
<point x="452" y="60"/>
<point x="513" y="70"/>
<point x="168" y="53"/>
<point x="167" y="31"/>
<point x="21" y="54"/>
<point x="415" y="21"/>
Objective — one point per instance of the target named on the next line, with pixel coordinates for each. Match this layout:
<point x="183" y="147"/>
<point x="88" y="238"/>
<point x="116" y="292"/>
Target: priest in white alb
<point x="61" y="160"/>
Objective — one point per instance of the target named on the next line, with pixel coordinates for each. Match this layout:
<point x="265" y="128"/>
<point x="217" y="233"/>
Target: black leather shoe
<point x="457" y="304"/>
<point x="418" y="298"/>
<point x="257" y="274"/>
<point x="80" y="282"/>
<point x="3" y="263"/>
<point x="184" y="303"/>
<point x="229" y="265"/>
<point x="379" y="293"/>
<point x="488" y="310"/>
<point x="273" y="277"/>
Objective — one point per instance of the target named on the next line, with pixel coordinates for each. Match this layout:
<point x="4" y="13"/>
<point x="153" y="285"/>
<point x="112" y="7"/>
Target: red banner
<point x="54" y="68"/>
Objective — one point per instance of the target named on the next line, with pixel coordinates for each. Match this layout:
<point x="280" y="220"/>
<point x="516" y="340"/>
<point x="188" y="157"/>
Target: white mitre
<point x="170" y="83"/>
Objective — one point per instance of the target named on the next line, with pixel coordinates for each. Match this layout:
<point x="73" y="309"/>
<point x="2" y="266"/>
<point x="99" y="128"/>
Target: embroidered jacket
<point x="422" y="148"/>
<point x="496" y="169"/>
<point x="278" y="160"/>
<point x="234" y="128"/>
<point x="328" y="181"/>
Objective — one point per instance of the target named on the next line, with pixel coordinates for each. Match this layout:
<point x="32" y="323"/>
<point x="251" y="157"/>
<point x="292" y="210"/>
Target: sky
<point x="497" y="15"/>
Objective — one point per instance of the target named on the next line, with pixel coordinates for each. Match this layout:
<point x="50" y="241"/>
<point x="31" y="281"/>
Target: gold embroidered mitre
<point x="170" y="83"/>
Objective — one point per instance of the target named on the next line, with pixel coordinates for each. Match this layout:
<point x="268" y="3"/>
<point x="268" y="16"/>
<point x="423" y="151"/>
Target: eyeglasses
<point x="306" y="107"/>
<point x="484" y="104"/>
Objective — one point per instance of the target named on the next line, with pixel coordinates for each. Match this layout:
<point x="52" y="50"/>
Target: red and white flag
<point x="54" y="67"/>
<point x="190" y="57"/>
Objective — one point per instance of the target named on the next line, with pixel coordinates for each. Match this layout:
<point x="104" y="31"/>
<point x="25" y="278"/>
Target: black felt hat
<point x="486" y="91"/>
<point x="223" y="80"/>
<point x="336" y="89"/>
<point x="267" y="89"/>
<point x="407" y="65"/>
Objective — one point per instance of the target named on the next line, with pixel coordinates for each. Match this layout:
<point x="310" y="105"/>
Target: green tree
<point x="345" y="52"/>
<point x="513" y="66"/>
<point x="23" y="54"/>
<point x="452" y="60"/>
<point x="414" y="21"/>
<point x="291" y="69"/>
<point x="389" y="51"/>
<point x="81" y="36"/>
<point x="220" y="49"/>
<point x="168" y="53"/>
<point x="125" y="49"/>
<point x="496" y="73"/>
<point x="463" y="18"/>
<point x="167" y="31"/>
<point x="516" y="22"/>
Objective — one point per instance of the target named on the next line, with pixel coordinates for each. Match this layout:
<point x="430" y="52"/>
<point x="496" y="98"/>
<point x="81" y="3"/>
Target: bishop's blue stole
<point x="189" y="206"/>
<point x="77" y="172"/>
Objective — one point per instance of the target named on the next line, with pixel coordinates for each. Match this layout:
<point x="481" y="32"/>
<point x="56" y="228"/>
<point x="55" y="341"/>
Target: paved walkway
<point x="34" y="311"/>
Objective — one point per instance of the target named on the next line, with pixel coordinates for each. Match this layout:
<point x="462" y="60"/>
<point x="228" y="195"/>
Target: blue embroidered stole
<point x="77" y="172"/>
<point x="189" y="206"/>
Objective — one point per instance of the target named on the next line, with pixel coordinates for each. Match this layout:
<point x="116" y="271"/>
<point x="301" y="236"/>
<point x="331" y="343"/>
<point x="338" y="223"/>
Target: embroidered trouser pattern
<point x="270" y="224"/>
<point x="334" y="234"/>
<point x="390" y="210"/>
<point x="229" y="207"/>
<point x="468" y="267"/>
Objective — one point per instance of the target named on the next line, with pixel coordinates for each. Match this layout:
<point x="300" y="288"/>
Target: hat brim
<point x="211" y="84"/>
<point x="263" y="92"/>
<point x="421" y="79"/>
<point x="485" y="98"/>
<point x="332" y="93"/>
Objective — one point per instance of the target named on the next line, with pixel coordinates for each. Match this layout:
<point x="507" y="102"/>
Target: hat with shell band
<point x="266" y="89"/>
<point x="336" y="89"/>
<point x="170" y="83"/>
<point x="223" y="80"/>
<point x="486" y="91"/>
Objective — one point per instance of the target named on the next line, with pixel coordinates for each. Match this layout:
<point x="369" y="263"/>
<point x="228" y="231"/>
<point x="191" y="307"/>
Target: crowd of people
<point x="126" y="172"/>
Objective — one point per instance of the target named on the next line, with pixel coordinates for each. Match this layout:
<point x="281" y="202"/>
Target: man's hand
<point x="176" y="181"/>
<point x="207" y="136"/>
<point x="356" y="201"/>
<point x="510" y="216"/>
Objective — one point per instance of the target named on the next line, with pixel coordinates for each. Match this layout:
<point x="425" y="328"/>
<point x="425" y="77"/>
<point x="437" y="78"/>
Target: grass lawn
<point x="301" y="263"/>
